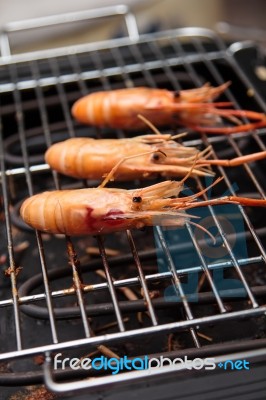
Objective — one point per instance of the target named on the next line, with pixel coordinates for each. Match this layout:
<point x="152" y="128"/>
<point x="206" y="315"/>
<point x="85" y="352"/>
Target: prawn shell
<point x="71" y="212"/>
<point x="120" y="108"/>
<point x="101" y="210"/>
<point x="88" y="158"/>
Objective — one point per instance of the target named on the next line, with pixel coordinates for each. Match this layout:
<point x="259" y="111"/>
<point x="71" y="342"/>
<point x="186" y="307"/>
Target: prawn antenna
<point x="157" y="132"/>
<point x="149" y="124"/>
<point x="178" y="135"/>
<point x="204" y="230"/>
<point x="110" y="175"/>
<point x="190" y="200"/>
<point x="190" y="170"/>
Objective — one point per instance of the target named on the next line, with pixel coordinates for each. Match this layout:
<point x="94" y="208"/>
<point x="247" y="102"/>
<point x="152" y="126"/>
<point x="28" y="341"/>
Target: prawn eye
<point x="137" y="199"/>
<point x="176" y="94"/>
<point x="156" y="157"/>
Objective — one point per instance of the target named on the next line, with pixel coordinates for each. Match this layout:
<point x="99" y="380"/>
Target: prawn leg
<point x="213" y="108"/>
<point x="226" y="130"/>
<point x="242" y="201"/>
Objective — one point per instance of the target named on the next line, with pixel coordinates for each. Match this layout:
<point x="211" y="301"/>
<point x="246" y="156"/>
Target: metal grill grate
<point x="57" y="302"/>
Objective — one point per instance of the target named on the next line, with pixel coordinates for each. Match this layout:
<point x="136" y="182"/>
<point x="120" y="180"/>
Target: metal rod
<point x="213" y="350"/>
<point x="21" y="130"/>
<point x="43" y="113"/>
<point x="67" y="18"/>
<point x="86" y="75"/>
<point x="142" y="279"/>
<point x="75" y="64"/>
<point x="177" y="284"/>
<point x="232" y="256"/>
<point x="123" y="336"/>
<point x="207" y="272"/>
<point x="78" y="284"/>
<point x="12" y="270"/>
<point x="25" y="298"/>
<point x="111" y="285"/>
<point x="214" y="70"/>
<point x="62" y="97"/>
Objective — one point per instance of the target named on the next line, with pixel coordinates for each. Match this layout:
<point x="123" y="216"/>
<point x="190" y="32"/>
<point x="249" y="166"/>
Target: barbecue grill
<point x="159" y="292"/>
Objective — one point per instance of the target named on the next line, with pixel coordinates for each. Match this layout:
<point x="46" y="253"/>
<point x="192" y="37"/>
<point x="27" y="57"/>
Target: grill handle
<point x="78" y="16"/>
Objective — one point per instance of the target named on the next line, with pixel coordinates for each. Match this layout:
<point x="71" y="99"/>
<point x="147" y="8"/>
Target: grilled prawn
<point x="136" y="158"/>
<point x="105" y="210"/>
<point x="139" y="157"/>
<point x="192" y="108"/>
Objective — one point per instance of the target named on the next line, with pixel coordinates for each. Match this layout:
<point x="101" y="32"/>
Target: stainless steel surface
<point x="124" y="72"/>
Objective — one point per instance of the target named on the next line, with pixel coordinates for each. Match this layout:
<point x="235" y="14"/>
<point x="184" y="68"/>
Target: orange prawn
<point x="101" y="210"/>
<point x="140" y="157"/>
<point x="192" y="108"/>
<point x="136" y="158"/>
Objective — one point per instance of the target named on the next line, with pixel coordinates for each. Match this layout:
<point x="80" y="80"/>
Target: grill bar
<point x="121" y="336"/>
<point x="41" y="102"/>
<point x="207" y="272"/>
<point x="10" y="246"/>
<point x="124" y="41"/>
<point x="177" y="283"/>
<point x="111" y="285"/>
<point x="247" y="221"/>
<point x="77" y="279"/>
<point x="111" y="72"/>
<point x="25" y="299"/>
<point x="43" y="114"/>
<point x="142" y="279"/>
<point x="62" y="97"/>
<point x="232" y="256"/>
<point x="21" y="131"/>
<point x="193" y="73"/>
<point x="209" y="350"/>
<point x="74" y="62"/>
